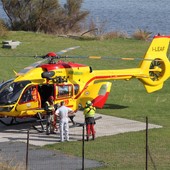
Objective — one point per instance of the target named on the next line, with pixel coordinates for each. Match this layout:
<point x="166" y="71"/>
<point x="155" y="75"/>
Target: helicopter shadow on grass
<point x="114" y="106"/>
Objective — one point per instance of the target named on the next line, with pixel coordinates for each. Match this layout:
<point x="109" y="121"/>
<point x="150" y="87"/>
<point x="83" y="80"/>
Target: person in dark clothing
<point x="50" y="116"/>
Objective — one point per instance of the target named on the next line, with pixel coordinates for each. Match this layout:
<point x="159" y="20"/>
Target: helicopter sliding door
<point x="67" y="93"/>
<point x="30" y="99"/>
<point x="64" y="93"/>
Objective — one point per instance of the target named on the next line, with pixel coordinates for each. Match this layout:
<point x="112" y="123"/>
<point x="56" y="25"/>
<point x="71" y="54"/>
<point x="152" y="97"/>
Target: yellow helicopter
<point x="25" y="95"/>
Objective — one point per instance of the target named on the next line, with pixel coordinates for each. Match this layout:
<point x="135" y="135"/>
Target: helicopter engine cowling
<point x="48" y="74"/>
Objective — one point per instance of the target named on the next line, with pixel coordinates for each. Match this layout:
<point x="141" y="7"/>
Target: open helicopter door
<point x="29" y="100"/>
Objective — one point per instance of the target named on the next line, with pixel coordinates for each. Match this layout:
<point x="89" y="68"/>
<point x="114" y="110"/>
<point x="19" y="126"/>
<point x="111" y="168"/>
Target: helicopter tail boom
<point x="153" y="70"/>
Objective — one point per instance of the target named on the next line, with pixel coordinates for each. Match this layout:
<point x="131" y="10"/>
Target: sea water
<point x="127" y="15"/>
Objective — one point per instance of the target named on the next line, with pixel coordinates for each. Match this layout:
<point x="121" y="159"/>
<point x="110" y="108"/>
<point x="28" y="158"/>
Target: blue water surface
<point x="128" y="15"/>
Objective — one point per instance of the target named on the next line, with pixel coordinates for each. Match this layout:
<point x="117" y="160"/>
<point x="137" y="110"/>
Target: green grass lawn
<point x="128" y="99"/>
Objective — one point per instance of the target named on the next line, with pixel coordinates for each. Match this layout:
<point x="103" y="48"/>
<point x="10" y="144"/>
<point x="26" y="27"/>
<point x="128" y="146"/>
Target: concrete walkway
<point x="105" y="126"/>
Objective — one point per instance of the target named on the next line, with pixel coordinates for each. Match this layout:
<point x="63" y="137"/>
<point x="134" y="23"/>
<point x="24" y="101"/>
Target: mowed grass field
<point x="128" y="99"/>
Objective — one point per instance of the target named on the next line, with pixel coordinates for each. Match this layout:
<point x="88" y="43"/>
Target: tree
<point x="44" y="15"/>
<point x="29" y="15"/>
<point x="74" y="15"/>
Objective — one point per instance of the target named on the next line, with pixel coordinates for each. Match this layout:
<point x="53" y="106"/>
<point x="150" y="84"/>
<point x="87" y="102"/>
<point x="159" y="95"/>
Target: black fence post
<point x="28" y="132"/>
<point x="83" y="148"/>
<point x="146" y="143"/>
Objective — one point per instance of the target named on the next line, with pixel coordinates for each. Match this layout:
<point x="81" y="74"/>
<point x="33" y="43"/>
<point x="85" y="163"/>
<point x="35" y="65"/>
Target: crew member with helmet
<point x="50" y="115"/>
<point x="36" y="96"/>
<point x="62" y="112"/>
<point x="89" y="112"/>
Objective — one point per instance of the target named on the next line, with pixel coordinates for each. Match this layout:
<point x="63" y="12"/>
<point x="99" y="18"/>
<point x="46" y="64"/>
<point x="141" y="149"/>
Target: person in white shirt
<point x="62" y="112"/>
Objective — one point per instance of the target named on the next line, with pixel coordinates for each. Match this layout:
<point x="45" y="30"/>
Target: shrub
<point x="114" y="34"/>
<point x="142" y="35"/>
<point x="46" y="16"/>
<point x="3" y="28"/>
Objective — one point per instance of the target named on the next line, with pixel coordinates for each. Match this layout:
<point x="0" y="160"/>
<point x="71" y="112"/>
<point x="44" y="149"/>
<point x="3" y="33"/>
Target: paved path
<point x="105" y="126"/>
<point x="14" y="153"/>
<point x="13" y="143"/>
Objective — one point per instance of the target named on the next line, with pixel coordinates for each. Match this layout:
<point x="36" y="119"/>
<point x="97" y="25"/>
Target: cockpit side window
<point x="10" y="91"/>
<point x="27" y="95"/>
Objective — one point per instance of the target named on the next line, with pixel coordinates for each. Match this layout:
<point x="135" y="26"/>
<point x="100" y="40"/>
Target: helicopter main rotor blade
<point x="118" y="58"/>
<point x="26" y="69"/>
<point x="66" y="50"/>
<point x="57" y="54"/>
<point x="107" y="57"/>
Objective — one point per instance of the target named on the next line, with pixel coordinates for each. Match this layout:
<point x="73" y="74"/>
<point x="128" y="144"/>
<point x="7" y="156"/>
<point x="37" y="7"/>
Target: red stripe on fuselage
<point x="96" y="78"/>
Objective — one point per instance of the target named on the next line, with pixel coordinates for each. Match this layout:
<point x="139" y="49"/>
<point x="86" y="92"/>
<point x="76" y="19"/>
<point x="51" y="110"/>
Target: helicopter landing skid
<point x="17" y="121"/>
<point x="14" y="121"/>
<point x="40" y="121"/>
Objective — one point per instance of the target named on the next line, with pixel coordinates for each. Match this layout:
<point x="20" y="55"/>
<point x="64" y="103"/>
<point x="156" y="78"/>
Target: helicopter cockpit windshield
<point x="10" y="91"/>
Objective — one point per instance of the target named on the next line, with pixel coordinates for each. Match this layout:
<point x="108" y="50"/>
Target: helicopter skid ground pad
<point x="106" y="126"/>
